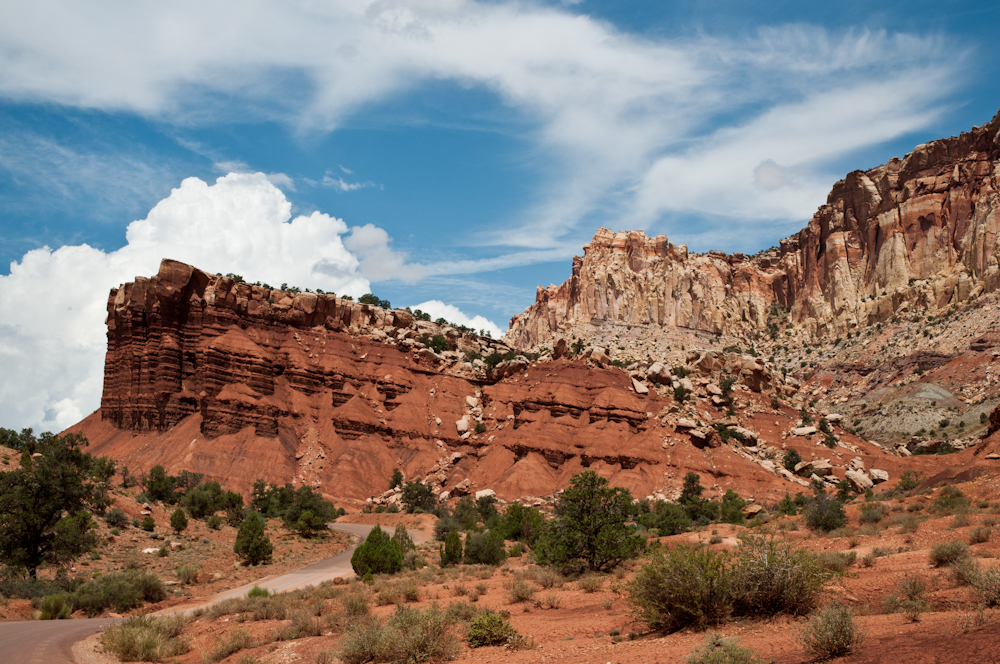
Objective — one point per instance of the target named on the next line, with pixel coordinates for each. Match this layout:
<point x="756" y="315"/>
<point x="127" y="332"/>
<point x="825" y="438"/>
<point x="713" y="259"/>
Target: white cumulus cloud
<point x="452" y="314"/>
<point x="52" y="338"/>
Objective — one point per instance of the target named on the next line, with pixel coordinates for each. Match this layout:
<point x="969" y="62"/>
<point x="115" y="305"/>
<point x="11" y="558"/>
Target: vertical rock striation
<point x="917" y="233"/>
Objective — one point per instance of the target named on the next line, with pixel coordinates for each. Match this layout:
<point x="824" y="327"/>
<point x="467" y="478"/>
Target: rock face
<point x="241" y="382"/>
<point x="914" y="234"/>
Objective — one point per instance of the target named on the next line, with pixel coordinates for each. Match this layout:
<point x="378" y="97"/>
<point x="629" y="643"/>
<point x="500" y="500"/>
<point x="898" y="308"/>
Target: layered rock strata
<point x="919" y="233"/>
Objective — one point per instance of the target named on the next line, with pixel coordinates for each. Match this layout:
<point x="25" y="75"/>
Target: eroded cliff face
<point x="240" y="383"/>
<point x="914" y="234"/>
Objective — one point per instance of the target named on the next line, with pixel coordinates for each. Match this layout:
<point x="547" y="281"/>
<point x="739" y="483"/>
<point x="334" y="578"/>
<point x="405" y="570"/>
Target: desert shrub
<point x="831" y="633"/>
<point x="418" y="496"/>
<point x="824" y="513"/>
<point x="304" y="624"/>
<point x="410" y="636"/>
<point x="214" y="522"/>
<point x="411" y="593"/>
<point x="116" y="518"/>
<point x="545" y="577"/>
<point x="121" y="591"/>
<point x="950" y="500"/>
<point x="979" y="535"/>
<point x="521" y="523"/>
<point x="145" y="638"/>
<point x="378" y="554"/>
<point x="717" y="650"/>
<point x="961" y="520"/>
<point x="909" y="599"/>
<point x="791" y="459"/>
<point x="731" y="508"/>
<point x="987" y="585"/>
<point x="489" y="629"/>
<point x="365" y="641"/>
<point x="257" y="591"/>
<point x="666" y="518"/>
<point x="387" y="594"/>
<point x="355" y="604"/>
<point x="682" y="587"/>
<point x="55" y="607"/>
<point x="186" y="574"/>
<point x="461" y="612"/>
<point x="485" y="549"/>
<point x="445" y="525"/>
<point x="148" y="524"/>
<point x="590" y="583"/>
<point x="771" y="577"/>
<point x="837" y="561"/>
<point x="907" y="523"/>
<point x="235" y="641"/>
<point x="872" y="513"/>
<point x="948" y="553"/>
<point x="519" y="590"/>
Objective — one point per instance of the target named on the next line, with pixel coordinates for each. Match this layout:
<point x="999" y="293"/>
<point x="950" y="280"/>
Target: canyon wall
<point x="914" y="234"/>
<point x="240" y="382"/>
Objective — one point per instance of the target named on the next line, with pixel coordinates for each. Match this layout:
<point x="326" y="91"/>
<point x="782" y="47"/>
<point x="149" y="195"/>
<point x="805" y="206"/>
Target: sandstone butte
<point x="242" y="382"/>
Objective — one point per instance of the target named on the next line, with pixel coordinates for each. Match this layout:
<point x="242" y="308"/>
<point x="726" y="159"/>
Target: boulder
<point x="639" y="387"/>
<point x="657" y="373"/>
<point x="859" y="480"/>
<point x="834" y="417"/>
<point x="484" y="493"/>
<point x="803" y="431"/>
<point x="713" y="389"/>
<point x="752" y="510"/>
<point x="822" y="468"/>
<point x="560" y="349"/>
<point x="462" y="426"/>
<point x="462" y="488"/>
<point x="686" y="423"/>
<point x="878" y="476"/>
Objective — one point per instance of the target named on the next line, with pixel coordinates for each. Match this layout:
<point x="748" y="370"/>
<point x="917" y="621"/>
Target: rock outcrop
<point x="241" y="382"/>
<point x="914" y="234"/>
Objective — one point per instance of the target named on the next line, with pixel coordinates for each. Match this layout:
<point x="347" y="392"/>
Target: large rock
<point x="859" y="480"/>
<point x="803" y="431"/>
<point x="878" y="476"/>
<point x="639" y="387"/>
<point x="657" y="373"/>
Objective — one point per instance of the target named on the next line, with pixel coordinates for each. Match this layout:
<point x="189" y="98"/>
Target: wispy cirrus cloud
<point x="636" y="130"/>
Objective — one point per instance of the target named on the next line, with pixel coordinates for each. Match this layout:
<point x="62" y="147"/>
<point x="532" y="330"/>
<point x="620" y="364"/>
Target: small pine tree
<point x="252" y="543"/>
<point x="148" y="524"/>
<point x="451" y="550"/>
<point x="790" y="460"/>
<point x="402" y="538"/>
<point x="396" y="479"/>
<point x="787" y="506"/>
<point x="378" y="554"/>
<point x="178" y="520"/>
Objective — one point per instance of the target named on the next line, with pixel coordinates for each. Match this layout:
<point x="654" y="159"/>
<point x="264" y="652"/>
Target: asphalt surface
<point x="51" y="641"/>
<point x="45" y="641"/>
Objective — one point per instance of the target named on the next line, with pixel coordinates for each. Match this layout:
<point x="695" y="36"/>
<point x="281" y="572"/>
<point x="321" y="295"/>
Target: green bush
<point x="451" y="551"/>
<point x="717" y="650"/>
<point x="148" y="524"/>
<point x="145" y="638"/>
<point x="519" y="590"/>
<point x="235" y="641"/>
<point x="252" y="543"/>
<point x="831" y="633"/>
<point x="948" y="553"/>
<point x="589" y="531"/>
<point x="682" y="587"/>
<point x="117" y="518"/>
<point x="121" y="591"/>
<point x="771" y="577"/>
<point x="484" y="548"/>
<point x="872" y="513"/>
<point x="378" y="554"/>
<point x="355" y="604"/>
<point x="489" y="629"/>
<point x="257" y="591"/>
<point x="55" y="607"/>
<point x="178" y="520"/>
<point x="950" y="500"/>
<point x="214" y="522"/>
<point x="418" y="496"/>
<point x="824" y="513"/>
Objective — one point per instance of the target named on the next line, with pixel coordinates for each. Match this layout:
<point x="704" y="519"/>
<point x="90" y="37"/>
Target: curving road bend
<point x="51" y="641"/>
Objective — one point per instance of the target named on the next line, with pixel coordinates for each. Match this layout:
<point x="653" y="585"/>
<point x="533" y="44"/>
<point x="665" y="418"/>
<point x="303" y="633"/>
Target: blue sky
<point x="433" y="151"/>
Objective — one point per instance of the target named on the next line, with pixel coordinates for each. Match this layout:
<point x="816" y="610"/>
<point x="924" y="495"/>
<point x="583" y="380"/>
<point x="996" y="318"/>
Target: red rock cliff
<point x="916" y="233"/>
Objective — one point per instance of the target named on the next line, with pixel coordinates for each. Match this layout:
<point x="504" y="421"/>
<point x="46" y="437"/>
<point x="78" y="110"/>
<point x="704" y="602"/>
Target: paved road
<point x="51" y="641"/>
<point x="45" y="641"/>
<point x="324" y="570"/>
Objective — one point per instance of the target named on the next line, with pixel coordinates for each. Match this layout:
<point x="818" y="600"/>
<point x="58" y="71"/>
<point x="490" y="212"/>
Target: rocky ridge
<point x="916" y="234"/>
